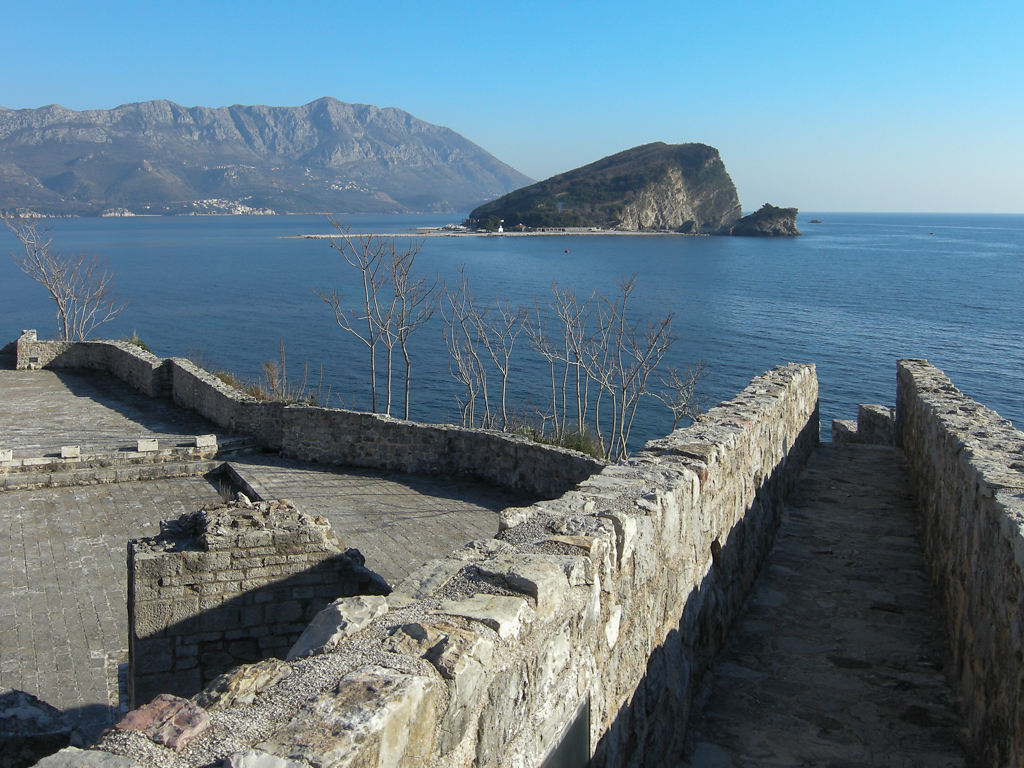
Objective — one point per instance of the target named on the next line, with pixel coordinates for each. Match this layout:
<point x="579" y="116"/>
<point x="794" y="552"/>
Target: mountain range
<point x="159" y="157"/>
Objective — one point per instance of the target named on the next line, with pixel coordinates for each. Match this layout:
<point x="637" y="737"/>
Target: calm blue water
<point x="852" y="295"/>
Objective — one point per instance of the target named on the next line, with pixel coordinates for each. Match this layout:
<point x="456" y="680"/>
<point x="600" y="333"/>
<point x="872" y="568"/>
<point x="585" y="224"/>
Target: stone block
<point x="341" y="619"/>
<point x="167" y="720"/>
<point x="241" y="686"/>
<point x="6" y="454"/>
<point x="147" y="445"/>
<point x="424" y="581"/>
<point x="844" y="431"/>
<point x="206" y="441"/>
<point x="374" y="717"/>
<point x="71" y="451"/>
<point x="505" y="615"/>
<point x="73" y="757"/>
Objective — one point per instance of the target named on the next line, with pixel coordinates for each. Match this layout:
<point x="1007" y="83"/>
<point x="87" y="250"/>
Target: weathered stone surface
<point x="375" y="717"/>
<point x="73" y="757"/>
<point x="167" y="720"/>
<point x="241" y="686"/>
<point x="505" y="615"/>
<point x="540" y="578"/>
<point x="424" y="581"/>
<point x="341" y="619"/>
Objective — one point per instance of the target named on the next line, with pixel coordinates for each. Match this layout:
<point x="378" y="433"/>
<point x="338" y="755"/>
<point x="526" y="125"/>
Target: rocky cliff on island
<point x="768" y="221"/>
<point x="654" y="187"/>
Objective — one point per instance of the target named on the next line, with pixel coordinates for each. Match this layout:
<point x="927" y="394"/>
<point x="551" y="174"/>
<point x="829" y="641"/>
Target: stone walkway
<point x="40" y="411"/>
<point x="838" y="660"/>
<point x="397" y="521"/>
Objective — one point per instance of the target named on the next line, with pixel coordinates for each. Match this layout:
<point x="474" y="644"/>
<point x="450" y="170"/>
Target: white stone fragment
<point x="6" y="454"/>
<point x="342" y="618"/>
<point x="611" y="629"/>
<point x="505" y="615"/>
<point x="71" y="451"/>
<point x="206" y="441"/>
<point x="147" y="444"/>
<point x="253" y="758"/>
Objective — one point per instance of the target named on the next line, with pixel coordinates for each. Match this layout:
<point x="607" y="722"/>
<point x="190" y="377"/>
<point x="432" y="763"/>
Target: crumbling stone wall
<point x="967" y="465"/>
<point x="230" y="585"/>
<point x="596" y="613"/>
<point x="329" y="435"/>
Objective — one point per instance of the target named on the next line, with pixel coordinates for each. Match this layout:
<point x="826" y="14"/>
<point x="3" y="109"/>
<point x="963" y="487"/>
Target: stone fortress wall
<point x="967" y="465"/>
<point x="328" y="435"/>
<point x="583" y="628"/>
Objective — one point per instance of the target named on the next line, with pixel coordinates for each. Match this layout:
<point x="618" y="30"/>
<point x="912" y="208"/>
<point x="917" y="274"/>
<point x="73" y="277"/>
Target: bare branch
<point x="81" y="286"/>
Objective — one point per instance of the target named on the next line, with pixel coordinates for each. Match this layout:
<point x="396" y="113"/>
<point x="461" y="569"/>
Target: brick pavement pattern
<point x="63" y="617"/>
<point x="838" y="659"/>
<point x="397" y="521"/>
<point x="40" y="411"/>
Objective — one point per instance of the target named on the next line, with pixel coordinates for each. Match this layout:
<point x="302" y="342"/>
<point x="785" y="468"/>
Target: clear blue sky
<point x="893" y="106"/>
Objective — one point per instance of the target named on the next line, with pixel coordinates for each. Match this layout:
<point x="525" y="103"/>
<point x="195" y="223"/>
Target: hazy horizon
<point x="826" y="108"/>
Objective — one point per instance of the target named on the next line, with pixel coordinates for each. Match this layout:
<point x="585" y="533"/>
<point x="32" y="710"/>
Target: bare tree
<point x="462" y="339"/>
<point x="80" y="285"/>
<point x="498" y="332"/>
<point x="680" y="391"/>
<point x="548" y="349"/>
<point x="365" y="253"/>
<point x="415" y="302"/>
<point x="623" y="355"/>
<point x="394" y="304"/>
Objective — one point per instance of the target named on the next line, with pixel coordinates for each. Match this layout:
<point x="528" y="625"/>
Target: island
<point x="651" y="188"/>
<point x="768" y="221"/>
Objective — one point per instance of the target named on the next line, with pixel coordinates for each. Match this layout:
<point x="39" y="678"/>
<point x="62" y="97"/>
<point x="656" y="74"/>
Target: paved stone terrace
<point x="397" y="521"/>
<point x="838" y="660"/>
<point x="40" y="411"/>
<point x="63" y="618"/>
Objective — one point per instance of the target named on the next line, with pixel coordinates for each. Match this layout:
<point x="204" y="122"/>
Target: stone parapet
<point x="584" y="629"/>
<point x="329" y="435"/>
<point x="967" y="465"/>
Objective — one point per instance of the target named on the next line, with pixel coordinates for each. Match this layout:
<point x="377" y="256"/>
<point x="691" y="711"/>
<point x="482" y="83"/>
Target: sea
<point x="854" y="294"/>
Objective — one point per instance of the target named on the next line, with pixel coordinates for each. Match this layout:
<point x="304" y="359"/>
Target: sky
<point x="891" y="106"/>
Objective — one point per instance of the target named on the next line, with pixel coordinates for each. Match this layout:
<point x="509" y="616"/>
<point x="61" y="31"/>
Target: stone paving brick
<point x="40" y="411"/>
<point x="397" y="521"/>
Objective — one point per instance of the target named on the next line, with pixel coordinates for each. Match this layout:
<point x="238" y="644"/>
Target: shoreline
<point x="438" y="233"/>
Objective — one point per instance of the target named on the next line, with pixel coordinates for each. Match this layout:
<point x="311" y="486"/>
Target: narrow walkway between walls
<point x="838" y="658"/>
